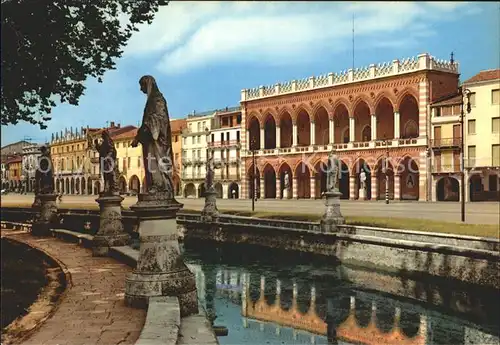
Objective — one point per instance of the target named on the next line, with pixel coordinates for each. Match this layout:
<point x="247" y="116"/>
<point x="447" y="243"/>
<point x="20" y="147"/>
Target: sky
<point x="202" y="54"/>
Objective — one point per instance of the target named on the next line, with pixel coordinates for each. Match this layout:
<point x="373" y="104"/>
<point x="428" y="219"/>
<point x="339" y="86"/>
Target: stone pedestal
<point x="160" y="269"/>
<point x="210" y="211"/>
<point x="362" y="194"/>
<point x="47" y="217"/>
<point x="110" y="233"/>
<point x="37" y="203"/>
<point x="285" y="193"/>
<point x="332" y="216"/>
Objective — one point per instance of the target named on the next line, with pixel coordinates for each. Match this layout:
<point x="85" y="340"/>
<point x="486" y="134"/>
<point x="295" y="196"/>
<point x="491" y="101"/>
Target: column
<point x="262" y="138"/>
<point x="396" y="125"/>
<point x="278" y="187"/>
<point x="352" y="124"/>
<point x="332" y="131"/>
<point x="295" y="186"/>
<point x="278" y="137"/>
<point x="374" y="181"/>
<point x="313" y="187"/>
<point x="397" y="188"/>
<point x="262" y="188"/>
<point x="225" y="188"/>
<point x="294" y="134"/>
<point x="374" y="126"/>
<point x="247" y="144"/>
<point x="313" y="133"/>
<point x="352" y="187"/>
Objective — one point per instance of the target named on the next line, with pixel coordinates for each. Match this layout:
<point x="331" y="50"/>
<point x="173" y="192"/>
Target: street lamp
<point x="386" y="172"/>
<point x="254" y="196"/>
<point x="467" y="93"/>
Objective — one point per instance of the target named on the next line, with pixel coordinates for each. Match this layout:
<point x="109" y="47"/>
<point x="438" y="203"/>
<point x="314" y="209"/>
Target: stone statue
<point x="44" y="175"/>
<point x="332" y="176"/>
<point x="108" y="163"/>
<point x="362" y="179"/>
<point x="156" y="139"/>
<point x="287" y="180"/>
<point x="209" y="179"/>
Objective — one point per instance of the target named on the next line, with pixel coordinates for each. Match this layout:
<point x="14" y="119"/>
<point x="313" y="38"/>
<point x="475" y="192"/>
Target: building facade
<point x="129" y="160"/>
<point x="374" y="117"/>
<point x="194" y="153"/>
<point x="14" y="172"/>
<point x="482" y="141"/>
<point x="30" y="156"/>
<point x="445" y="144"/>
<point x="176" y="127"/>
<point x="225" y="143"/>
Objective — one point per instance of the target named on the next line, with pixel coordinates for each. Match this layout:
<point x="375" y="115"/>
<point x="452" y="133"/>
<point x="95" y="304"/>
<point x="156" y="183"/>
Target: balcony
<point x="444" y="143"/>
<point x="446" y="168"/>
<point x="224" y="143"/>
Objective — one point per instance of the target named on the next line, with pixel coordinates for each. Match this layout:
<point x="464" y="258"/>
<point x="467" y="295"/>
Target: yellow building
<point x="482" y="141"/>
<point x="177" y="126"/>
<point x="445" y="147"/>
<point x="72" y="167"/>
<point x="14" y="166"/>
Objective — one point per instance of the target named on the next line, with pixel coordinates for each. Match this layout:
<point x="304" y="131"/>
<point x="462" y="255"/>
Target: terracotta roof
<point x="490" y="74"/>
<point x="176" y="125"/>
<point x="15" y="159"/>
<point x="128" y="134"/>
<point x="451" y="99"/>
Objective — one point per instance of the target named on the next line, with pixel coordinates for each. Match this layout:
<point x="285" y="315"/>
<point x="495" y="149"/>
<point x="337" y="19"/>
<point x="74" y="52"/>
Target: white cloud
<point x="193" y="34"/>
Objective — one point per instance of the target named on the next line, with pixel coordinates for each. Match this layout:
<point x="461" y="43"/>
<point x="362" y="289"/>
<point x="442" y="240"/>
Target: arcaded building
<point x="375" y="118"/>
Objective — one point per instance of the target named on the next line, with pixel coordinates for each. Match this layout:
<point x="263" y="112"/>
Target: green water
<point x="319" y="305"/>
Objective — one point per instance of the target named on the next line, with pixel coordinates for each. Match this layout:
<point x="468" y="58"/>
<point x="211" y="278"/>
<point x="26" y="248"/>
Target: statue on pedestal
<point x="155" y="137"/>
<point x="108" y="163"/>
<point x="362" y="180"/>
<point x="44" y="175"/>
<point x="332" y="216"/>
<point x="209" y="179"/>
<point x="332" y="176"/>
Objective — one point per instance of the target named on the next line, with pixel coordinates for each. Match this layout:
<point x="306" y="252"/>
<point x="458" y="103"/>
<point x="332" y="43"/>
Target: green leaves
<point x="50" y="48"/>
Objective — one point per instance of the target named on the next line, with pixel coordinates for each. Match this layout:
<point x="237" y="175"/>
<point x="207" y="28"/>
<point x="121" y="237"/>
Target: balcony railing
<point x="446" y="168"/>
<point x="446" y="142"/>
<point x="223" y="143"/>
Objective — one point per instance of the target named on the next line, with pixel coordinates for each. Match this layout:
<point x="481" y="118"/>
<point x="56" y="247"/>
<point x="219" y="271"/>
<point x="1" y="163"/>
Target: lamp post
<point x="254" y="196"/>
<point x="386" y="172"/>
<point x="466" y="92"/>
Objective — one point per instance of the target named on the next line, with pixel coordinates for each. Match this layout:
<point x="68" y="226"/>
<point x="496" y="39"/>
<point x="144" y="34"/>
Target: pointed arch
<point x="341" y="102"/>
<point x="381" y="96"/>
<point x="253" y="115"/>
<point x="269" y="111"/>
<point x="362" y="99"/>
<point x="301" y="107"/>
<point x="408" y="91"/>
<point x="322" y="104"/>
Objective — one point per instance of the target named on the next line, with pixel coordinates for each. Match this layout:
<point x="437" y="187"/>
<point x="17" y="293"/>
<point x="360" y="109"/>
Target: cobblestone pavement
<point x="476" y="212"/>
<point x="92" y="311"/>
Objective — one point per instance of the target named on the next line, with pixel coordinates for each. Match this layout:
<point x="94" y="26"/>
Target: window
<point x="437" y="112"/>
<point x="139" y="161"/>
<point x="495" y="96"/>
<point x="495" y="125"/>
<point x="495" y="155"/>
<point x="192" y="140"/>
<point x="471" y="125"/>
<point x="493" y="183"/>
<point x="204" y="125"/>
<point x="471" y="155"/>
<point x="176" y="138"/>
<point x="199" y="126"/>
<point x="472" y="99"/>
<point x="199" y="153"/>
<point x="238" y="136"/>
<point x="128" y="162"/>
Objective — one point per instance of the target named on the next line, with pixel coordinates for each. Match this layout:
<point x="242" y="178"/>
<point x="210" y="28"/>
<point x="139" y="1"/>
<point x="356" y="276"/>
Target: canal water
<point x="266" y="296"/>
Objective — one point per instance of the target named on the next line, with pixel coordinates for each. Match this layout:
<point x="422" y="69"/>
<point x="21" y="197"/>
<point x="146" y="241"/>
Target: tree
<point x="49" y="48"/>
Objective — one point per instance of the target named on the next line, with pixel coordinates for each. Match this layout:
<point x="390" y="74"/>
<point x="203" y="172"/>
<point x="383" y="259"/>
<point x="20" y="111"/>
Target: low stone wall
<point x="408" y="253"/>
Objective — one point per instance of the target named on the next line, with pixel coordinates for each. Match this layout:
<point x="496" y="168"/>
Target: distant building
<point x="14" y="171"/>
<point x="13" y="149"/>
<point x="225" y="140"/>
<point x="194" y="152"/>
<point x="177" y="126"/>
<point x="483" y="137"/>
<point x="30" y="155"/>
<point x="130" y="162"/>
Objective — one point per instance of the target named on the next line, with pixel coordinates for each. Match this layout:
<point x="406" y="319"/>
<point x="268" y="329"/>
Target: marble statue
<point x="362" y="179"/>
<point x="209" y="179"/>
<point x="287" y="180"/>
<point x="44" y="179"/>
<point x="108" y="163"/>
<point x="156" y="139"/>
<point x="332" y="176"/>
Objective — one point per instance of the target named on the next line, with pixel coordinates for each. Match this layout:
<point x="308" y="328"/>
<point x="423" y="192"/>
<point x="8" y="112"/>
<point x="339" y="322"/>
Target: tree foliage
<point x="49" y="48"/>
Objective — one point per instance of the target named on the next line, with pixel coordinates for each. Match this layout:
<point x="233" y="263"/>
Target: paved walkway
<point x="476" y="212"/>
<point x="92" y="311"/>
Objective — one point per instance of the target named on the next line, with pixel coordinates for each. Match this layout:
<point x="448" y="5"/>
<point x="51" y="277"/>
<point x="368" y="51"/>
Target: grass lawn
<point x="482" y="230"/>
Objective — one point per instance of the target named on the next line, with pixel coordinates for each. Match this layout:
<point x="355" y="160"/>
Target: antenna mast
<point x="353" y="40"/>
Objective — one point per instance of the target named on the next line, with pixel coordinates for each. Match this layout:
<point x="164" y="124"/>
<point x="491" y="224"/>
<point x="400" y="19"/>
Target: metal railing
<point x="446" y="142"/>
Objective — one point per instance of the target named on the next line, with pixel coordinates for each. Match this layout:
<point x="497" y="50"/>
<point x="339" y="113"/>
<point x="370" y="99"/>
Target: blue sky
<point x="203" y="53"/>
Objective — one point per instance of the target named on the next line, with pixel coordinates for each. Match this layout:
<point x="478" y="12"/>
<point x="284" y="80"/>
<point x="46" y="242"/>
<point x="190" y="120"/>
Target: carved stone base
<point x="47" y="217"/>
<point x="332" y="216"/>
<point x="36" y="203"/>
<point x="210" y="211"/>
<point x="110" y="231"/>
<point x="160" y="269"/>
<point x="362" y="194"/>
